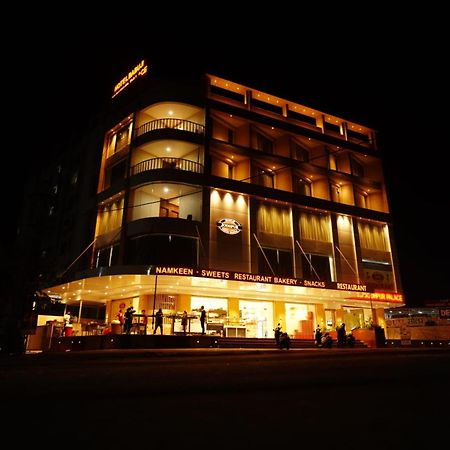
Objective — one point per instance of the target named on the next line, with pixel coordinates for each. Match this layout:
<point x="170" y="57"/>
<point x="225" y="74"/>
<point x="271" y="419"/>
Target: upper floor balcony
<point x="166" y="163"/>
<point x="171" y="123"/>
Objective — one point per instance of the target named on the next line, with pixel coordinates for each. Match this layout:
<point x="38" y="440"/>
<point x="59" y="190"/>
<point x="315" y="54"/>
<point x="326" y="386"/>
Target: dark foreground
<point x="229" y="399"/>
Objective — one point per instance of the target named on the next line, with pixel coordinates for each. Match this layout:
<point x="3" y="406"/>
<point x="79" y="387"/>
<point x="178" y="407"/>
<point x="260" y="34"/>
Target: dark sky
<point x="381" y="85"/>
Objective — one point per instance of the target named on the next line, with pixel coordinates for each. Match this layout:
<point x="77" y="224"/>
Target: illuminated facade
<point x="263" y="210"/>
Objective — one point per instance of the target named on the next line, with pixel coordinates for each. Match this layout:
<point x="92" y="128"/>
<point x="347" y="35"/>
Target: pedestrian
<point x="67" y="324"/>
<point x="202" y="318"/>
<point x="158" y="321"/>
<point x="277" y="333"/>
<point x="318" y="336"/>
<point x="144" y="321"/>
<point x="129" y="319"/>
<point x="184" y="321"/>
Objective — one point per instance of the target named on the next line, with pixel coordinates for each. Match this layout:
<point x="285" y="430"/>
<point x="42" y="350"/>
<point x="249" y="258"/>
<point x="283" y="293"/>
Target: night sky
<point x="374" y="84"/>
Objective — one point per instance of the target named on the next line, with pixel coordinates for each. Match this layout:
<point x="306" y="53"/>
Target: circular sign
<point x="122" y="305"/>
<point x="229" y="226"/>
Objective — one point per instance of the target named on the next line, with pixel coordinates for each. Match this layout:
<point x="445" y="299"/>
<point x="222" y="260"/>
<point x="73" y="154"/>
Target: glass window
<point x="280" y="261"/>
<point x="299" y="153"/>
<point x="163" y="250"/>
<point x="264" y="177"/>
<point x="315" y="227"/>
<point x="263" y="143"/>
<point x="316" y="264"/>
<point x="373" y="236"/>
<point x="302" y="186"/>
<point x="357" y="167"/>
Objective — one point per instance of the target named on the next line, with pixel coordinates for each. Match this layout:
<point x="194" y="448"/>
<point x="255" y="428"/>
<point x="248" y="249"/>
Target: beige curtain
<point x="110" y="217"/>
<point x="315" y="227"/>
<point x="274" y="220"/>
<point x="372" y="236"/>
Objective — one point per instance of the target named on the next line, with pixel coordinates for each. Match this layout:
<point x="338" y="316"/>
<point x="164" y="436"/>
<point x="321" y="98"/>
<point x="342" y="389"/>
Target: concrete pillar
<point x="183" y="302"/>
<point x="233" y="309"/>
<point x="279" y="314"/>
<point x="320" y="316"/>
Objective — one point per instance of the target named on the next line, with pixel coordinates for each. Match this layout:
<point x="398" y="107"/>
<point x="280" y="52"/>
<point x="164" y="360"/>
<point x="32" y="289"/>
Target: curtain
<point x="274" y="220"/>
<point x="315" y="227"/>
<point x="372" y="236"/>
<point x="111" y="217"/>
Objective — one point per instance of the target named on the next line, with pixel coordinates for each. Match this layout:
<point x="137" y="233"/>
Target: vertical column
<point x="279" y="314"/>
<point x="248" y="99"/>
<point x="233" y="309"/>
<point x="285" y="109"/>
<point x="344" y="130"/>
<point x="183" y="302"/>
<point x="320" y="316"/>
<point x="320" y="122"/>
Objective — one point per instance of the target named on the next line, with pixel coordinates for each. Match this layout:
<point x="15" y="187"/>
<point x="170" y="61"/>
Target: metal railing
<point x="167" y="163"/>
<point x="170" y="122"/>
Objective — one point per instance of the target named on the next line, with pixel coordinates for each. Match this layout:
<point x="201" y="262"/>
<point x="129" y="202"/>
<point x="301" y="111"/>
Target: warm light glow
<point x="170" y="113"/>
<point x="139" y="71"/>
<point x="166" y="189"/>
<point x="168" y="149"/>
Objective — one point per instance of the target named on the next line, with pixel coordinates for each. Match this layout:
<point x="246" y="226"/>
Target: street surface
<point x="217" y="398"/>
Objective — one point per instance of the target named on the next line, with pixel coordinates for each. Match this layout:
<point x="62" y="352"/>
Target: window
<point x="302" y="186"/>
<point x="230" y="171"/>
<point x="167" y="250"/>
<point x="107" y="257"/>
<point x="378" y="274"/>
<point x="280" y="260"/>
<point x="316" y="264"/>
<point x="332" y="161"/>
<point x="335" y="192"/>
<point x="357" y="167"/>
<point x="167" y="209"/>
<point x="264" y="177"/>
<point x="315" y="227"/>
<point x="299" y="153"/>
<point x="230" y="135"/>
<point x="263" y="143"/>
<point x="373" y="236"/>
<point x="360" y="198"/>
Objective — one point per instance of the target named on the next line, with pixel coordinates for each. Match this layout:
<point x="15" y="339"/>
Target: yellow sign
<point x="139" y="71"/>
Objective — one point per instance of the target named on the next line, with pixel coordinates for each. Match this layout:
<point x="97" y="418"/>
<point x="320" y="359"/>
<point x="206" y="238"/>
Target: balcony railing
<point x="170" y="122"/>
<point x="167" y="163"/>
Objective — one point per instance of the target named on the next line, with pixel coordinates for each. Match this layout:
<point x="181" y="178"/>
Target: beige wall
<point x="282" y="146"/>
<point x="220" y="131"/>
<point x="347" y="194"/>
<point x="376" y="201"/>
<point x="229" y="252"/>
<point x="242" y="135"/>
<point x="320" y="316"/>
<point x="242" y="170"/>
<point x="219" y="168"/>
<point x="320" y="189"/>
<point x="279" y="314"/>
<point x="283" y="180"/>
<point x="150" y="206"/>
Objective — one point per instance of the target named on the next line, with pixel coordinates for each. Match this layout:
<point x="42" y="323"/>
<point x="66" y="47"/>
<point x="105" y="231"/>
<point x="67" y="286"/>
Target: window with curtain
<point x="271" y="219"/>
<point x="372" y="236"/>
<point x="315" y="227"/>
<point x="110" y="217"/>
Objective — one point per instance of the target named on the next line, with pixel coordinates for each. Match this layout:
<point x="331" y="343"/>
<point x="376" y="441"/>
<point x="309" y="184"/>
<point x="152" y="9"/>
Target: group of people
<point x="325" y="339"/>
<point x="126" y="320"/>
<point x="282" y="339"/>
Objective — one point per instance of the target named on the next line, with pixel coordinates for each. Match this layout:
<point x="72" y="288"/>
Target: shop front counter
<point x="235" y="331"/>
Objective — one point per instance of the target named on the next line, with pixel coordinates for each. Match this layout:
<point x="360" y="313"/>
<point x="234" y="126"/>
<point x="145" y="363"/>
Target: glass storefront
<point x="258" y="318"/>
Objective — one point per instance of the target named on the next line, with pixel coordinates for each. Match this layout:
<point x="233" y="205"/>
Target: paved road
<point x="223" y="398"/>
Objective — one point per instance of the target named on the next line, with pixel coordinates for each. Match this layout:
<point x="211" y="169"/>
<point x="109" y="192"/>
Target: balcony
<point x="171" y="123"/>
<point x="167" y="163"/>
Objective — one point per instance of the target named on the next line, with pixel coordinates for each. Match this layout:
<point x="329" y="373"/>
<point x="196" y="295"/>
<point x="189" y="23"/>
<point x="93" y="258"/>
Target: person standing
<point x="129" y="319"/>
<point x="202" y="318"/>
<point x="144" y="321"/>
<point x="184" y="321"/>
<point x="318" y="336"/>
<point x="158" y="321"/>
<point x="277" y="334"/>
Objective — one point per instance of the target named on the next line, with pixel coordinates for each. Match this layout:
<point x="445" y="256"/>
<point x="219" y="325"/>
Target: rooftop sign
<point x="139" y="71"/>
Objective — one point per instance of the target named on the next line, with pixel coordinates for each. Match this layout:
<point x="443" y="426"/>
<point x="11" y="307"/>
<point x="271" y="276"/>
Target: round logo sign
<point x="229" y="226"/>
<point x="122" y="305"/>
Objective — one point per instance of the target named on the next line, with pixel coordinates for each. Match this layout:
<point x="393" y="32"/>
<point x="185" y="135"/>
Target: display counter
<point x="235" y="331"/>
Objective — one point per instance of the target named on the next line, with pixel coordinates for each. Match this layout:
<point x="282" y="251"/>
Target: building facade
<point x="262" y="210"/>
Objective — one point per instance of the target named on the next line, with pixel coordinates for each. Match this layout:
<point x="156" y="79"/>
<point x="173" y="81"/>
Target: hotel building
<point x="261" y="209"/>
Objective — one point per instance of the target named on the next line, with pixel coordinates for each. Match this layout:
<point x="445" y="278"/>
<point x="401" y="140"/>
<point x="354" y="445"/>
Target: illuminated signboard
<point x="229" y="226"/>
<point x="139" y="71"/>
<point x="361" y="289"/>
